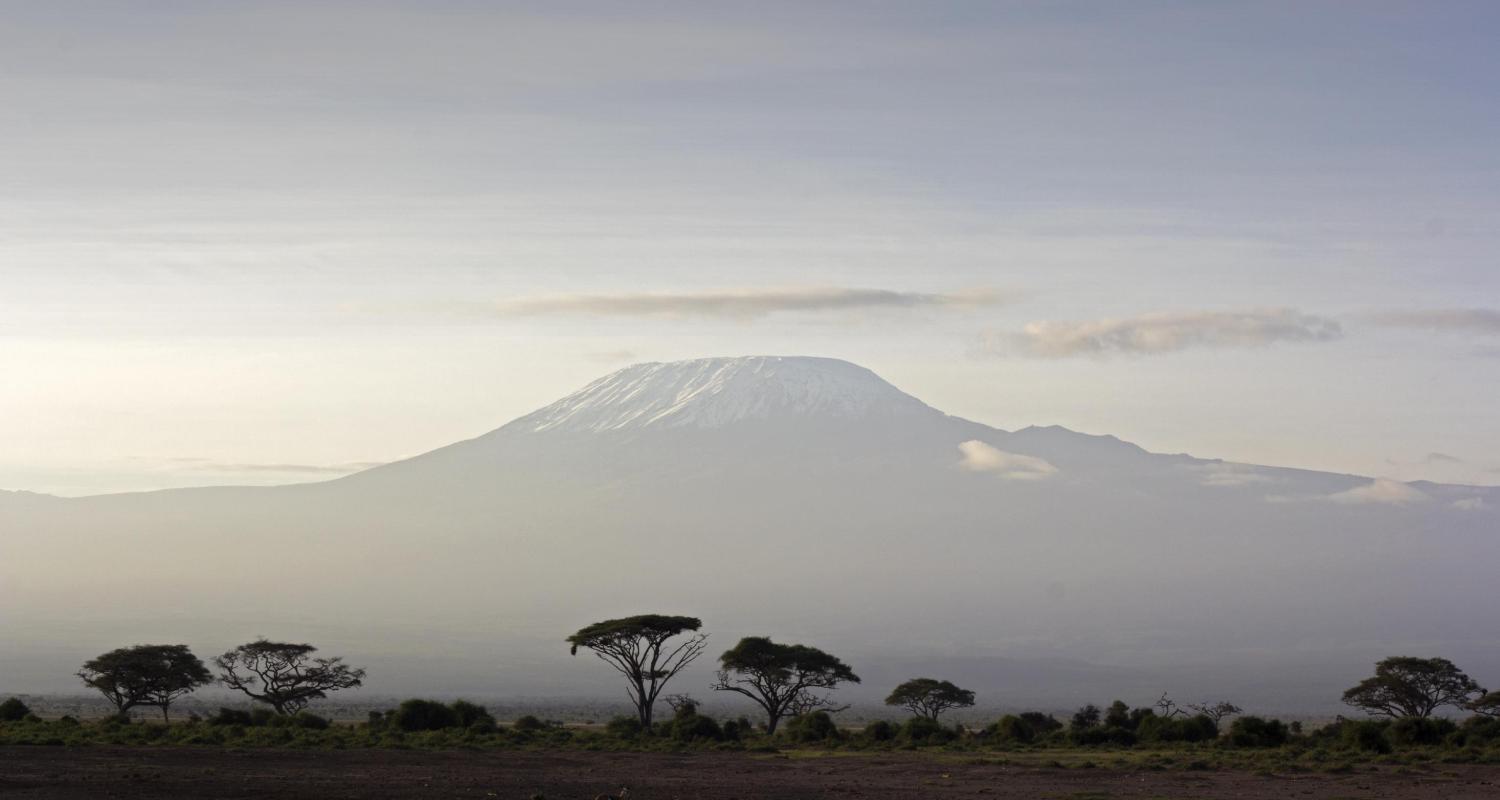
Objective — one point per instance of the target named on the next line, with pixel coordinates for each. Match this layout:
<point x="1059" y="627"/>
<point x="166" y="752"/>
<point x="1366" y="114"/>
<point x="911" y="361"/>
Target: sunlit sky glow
<point x="273" y="242"/>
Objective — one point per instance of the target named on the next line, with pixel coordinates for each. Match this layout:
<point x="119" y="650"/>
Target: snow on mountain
<point x="714" y="392"/>
<point x="802" y="497"/>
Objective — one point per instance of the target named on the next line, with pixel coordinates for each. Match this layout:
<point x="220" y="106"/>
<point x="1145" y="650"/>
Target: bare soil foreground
<point x="28" y="773"/>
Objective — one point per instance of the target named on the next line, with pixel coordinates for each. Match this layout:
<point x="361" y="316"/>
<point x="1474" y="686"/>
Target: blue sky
<point x="261" y="242"/>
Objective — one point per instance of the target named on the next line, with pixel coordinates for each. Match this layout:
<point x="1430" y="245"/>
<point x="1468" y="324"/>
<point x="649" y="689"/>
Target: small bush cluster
<point x="13" y="710"/>
<point x="430" y="715"/>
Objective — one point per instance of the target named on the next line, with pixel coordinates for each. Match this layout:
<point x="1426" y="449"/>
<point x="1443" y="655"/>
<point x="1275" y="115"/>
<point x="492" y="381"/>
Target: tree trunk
<point x="771" y="721"/>
<point x="164" y="717"/>
<point x="643" y="706"/>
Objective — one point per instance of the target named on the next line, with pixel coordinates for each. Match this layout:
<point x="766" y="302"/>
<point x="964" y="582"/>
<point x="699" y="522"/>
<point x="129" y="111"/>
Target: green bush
<point x="473" y="717"/>
<point x="529" y="723"/>
<point x="1477" y="731"/>
<point x="623" y="727"/>
<point x="924" y="731"/>
<point x="1086" y="717"/>
<point x="814" y="727"/>
<point x="1118" y="716"/>
<point x="879" y="731"/>
<point x="691" y="726"/>
<point x="1258" y="732"/>
<point x="1177" y="729"/>
<point x="423" y="715"/>
<point x="1100" y="735"/>
<point x="1041" y="724"/>
<point x="1011" y="728"/>
<point x="309" y="721"/>
<point x="1418" y="731"/>
<point x="13" y="710"/>
<point x="1367" y="735"/>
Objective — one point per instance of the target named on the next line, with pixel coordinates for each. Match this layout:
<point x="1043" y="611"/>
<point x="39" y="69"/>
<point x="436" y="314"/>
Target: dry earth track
<point x="54" y="773"/>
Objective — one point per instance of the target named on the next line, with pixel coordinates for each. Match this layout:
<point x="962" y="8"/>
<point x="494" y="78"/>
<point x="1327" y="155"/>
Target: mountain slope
<point x="804" y="498"/>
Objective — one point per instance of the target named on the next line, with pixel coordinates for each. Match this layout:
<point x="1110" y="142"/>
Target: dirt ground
<point x="34" y="773"/>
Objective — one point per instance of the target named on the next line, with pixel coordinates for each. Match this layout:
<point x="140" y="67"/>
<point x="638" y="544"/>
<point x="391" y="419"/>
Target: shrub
<point x="692" y="726"/>
<point x="621" y="727"/>
<point x="1011" y="728"/>
<point x="879" y="731"/>
<point x="529" y="723"/>
<point x="1409" y="731"/>
<point x="231" y="716"/>
<point x="1366" y="735"/>
<point x="424" y="715"/>
<point x="814" y="727"/>
<point x="1086" y="717"/>
<point x="1477" y="731"/>
<point x="1041" y="724"/>
<point x="1100" y="735"/>
<point x="471" y="714"/>
<point x="1177" y="729"/>
<point x="1258" y="732"/>
<point x="13" y="710"/>
<point x="924" y="731"/>
<point x="1118" y="716"/>
<point x="309" y="721"/>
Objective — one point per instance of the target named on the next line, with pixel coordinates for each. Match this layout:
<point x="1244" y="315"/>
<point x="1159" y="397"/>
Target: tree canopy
<point x="783" y="679"/>
<point x="929" y="697"/>
<point x="635" y="647"/>
<point x="152" y="675"/>
<point x="287" y="675"/>
<point x="1488" y="706"/>
<point x="1404" y="686"/>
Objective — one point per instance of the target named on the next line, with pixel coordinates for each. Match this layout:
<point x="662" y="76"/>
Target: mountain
<point x="802" y="498"/>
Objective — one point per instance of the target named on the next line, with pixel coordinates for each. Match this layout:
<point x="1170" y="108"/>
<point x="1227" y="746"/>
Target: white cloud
<point x="1383" y="491"/>
<point x="1464" y="320"/>
<point x="1229" y="475"/>
<point x="1151" y="334"/>
<point x="981" y="457"/>
<point x="743" y="303"/>
<point x="207" y="465"/>
<point x="1471" y="504"/>
<point x="1379" y="491"/>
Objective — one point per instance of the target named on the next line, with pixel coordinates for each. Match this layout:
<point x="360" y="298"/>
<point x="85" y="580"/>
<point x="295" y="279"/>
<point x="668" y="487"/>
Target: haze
<point x="284" y="242"/>
<point x="484" y="321"/>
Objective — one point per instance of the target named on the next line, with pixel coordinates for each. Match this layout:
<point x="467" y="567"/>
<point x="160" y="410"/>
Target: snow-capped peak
<point x="714" y="392"/>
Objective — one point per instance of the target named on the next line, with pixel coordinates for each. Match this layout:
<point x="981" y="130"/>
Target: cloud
<point x="742" y="303"/>
<point x="1470" y="504"/>
<point x="319" y="469"/>
<point x="1441" y="458"/>
<point x="1381" y="491"/>
<point x="1460" y="320"/>
<point x="1152" y="334"/>
<point x="611" y="356"/>
<point x="1229" y="475"/>
<point x="980" y="457"/>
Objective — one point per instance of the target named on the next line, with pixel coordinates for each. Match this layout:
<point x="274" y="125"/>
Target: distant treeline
<point x="790" y="683"/>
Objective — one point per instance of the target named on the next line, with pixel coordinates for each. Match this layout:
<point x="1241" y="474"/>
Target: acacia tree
<point x="1404" y="686"/>
<point x="929" y="697"/>
<point x="634" y="647"/>
<point x="1488" y="706"/>
<point x="145" y="675"/>
<point x="783" y="679"/>
<point x="1216" y="711"/>
<point x="287" y="675"/>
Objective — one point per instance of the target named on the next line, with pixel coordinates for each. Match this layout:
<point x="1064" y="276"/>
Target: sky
<point x="275" y="242"/>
